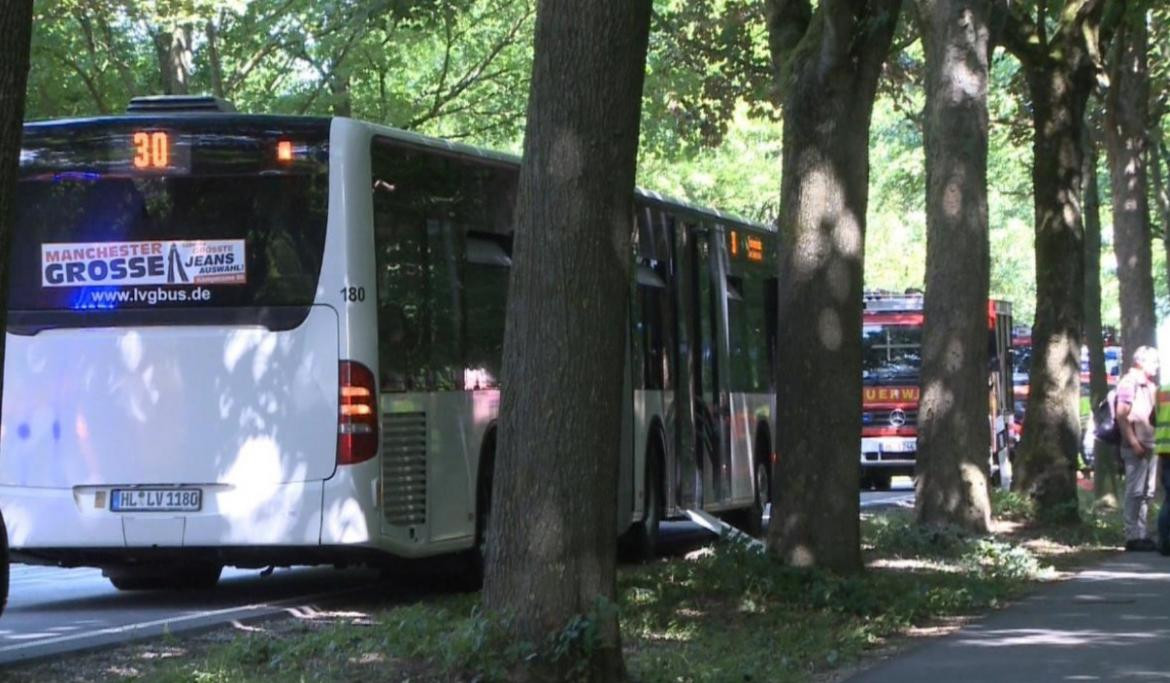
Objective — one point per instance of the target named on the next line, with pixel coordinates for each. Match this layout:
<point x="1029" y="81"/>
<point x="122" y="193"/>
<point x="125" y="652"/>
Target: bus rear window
<point x="224" y="220"/>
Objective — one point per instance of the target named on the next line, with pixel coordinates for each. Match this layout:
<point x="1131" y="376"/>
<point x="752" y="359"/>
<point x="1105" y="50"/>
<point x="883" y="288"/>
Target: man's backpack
<point x="1105" y="427"/>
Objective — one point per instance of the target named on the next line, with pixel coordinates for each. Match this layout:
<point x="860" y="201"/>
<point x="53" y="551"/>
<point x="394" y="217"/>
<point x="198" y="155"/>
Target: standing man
<point x="1136" y="399"/>
<point x="1162" y="447"/>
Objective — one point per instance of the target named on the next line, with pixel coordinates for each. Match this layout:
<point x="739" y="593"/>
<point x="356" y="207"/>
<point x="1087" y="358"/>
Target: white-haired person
<point x="1137" y="399"/>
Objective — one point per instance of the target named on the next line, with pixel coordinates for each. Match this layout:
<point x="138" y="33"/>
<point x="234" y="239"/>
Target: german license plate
<point x="902" y="446"/>
<point x="156" y="500"/>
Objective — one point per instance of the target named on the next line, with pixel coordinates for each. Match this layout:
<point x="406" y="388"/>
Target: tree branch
<point x="477" y="73"/>
<point x="213" y="59"/>
<point x="94" y="91"/>
<point x="878" y="21"/>
<point x="263" y="51"/>
<point x="1017" y="33"/>
<point x="788" y="22"/>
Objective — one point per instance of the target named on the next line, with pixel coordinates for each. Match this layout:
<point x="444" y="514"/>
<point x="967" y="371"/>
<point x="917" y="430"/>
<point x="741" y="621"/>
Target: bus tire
<point x="172" y="577"/>
<point x="754" y="525"/>
<point x="483" y="513"/>
<point x="751" y="519"/>
<point x="881" y="481"/>
<point x="642" y="538"/>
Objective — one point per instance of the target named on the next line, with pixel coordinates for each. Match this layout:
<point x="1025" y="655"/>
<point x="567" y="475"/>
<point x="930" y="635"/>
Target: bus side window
<point x="485" y="295"/>
<point x="744" y="369"/>
<point x="651" y="364"/>
<point x="404" y="184"/>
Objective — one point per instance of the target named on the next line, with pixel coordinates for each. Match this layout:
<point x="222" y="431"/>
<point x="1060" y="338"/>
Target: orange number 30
<point x="151" y="150"/>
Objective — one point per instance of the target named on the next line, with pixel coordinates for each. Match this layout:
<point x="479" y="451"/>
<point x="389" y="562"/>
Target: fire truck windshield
<point x="891" y="353"/>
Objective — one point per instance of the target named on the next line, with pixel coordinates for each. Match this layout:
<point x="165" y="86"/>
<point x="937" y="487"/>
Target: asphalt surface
<point x="53" y="611"/>
<point x="1108" y="623"/>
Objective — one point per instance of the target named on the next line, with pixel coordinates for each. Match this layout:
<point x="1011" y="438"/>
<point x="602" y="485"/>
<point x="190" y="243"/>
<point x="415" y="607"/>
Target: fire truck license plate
<point x="902" y="446"/>
<point x="156" y="500"/>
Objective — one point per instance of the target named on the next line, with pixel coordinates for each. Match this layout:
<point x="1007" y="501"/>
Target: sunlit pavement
<point x="1108" y="623"/>
<point x="53" y="611"/>
<point x="900" y="495"/>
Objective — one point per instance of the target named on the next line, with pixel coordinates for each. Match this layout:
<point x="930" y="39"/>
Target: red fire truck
<point x="891" y="361"/>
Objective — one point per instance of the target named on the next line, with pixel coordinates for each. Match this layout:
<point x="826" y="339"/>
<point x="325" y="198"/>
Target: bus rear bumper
<point x="79" y="517"/>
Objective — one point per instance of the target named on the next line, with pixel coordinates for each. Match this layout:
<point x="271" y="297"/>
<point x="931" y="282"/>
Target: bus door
<point x="687" y="482"/>
<point x="709" y="362"/>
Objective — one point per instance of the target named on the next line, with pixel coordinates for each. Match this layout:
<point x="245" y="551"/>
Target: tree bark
<point x="1106" y="485"/>
<point x="828" y="63"/>
<point x="1094" y="334"/>
<point x="552" y="536"/>
<point x="339" y="89"/>
<point x="1060" y="74"/>
<point x="1052" y="431"/>
<point x="1158" y="157"/>
<point x="215" y="65"/>
<point x="174" y="53"/>
<point x="953" y="434"/>
<point x="1126" y="118"/>
<point x="16" y="28"/>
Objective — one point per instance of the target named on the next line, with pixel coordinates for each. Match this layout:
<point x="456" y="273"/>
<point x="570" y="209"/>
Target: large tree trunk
<point x="1094" y="334"/>
<point x="339" y="88"/>
<point x="1056" y="49"/>
<point x="173" y="51"/>
<point x="552" y="537"/>
<point x="829" y="61"/>
<point x="1106" y="484"/>
<point x="953" y="433"/>
<point x="16" y="29"/>
<point x="1158" y="157"/>
<point x="1052" y="432"/>
<point x="1126" y="118"/>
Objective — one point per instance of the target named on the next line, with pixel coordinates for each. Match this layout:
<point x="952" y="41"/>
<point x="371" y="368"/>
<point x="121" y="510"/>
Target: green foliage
<point x="1012" y="505"/>
<point x="706" y="60"/>
<point x="455" y="69"/>
<point x="693" y="620"/>
<point x="897" y="536"/>
<point x="740" y="176"/>
<point x="459" y="69"/>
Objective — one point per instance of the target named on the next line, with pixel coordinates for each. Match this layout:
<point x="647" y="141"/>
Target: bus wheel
<point x="762" y="501"/>
<point x="483" y="519"/>
<point x="751" y="520"/>
<point x="172" y="577"/>
<point x="643" y="536"/>
<point x="881" y="481"/>
<point x="197" y="577"/>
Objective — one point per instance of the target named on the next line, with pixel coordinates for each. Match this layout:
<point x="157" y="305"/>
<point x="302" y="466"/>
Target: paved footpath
<point x="1110" y="622"/>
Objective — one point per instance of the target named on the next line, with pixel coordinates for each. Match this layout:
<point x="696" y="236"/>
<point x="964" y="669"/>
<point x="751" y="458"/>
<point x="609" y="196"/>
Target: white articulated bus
<point x="259" y="340"/>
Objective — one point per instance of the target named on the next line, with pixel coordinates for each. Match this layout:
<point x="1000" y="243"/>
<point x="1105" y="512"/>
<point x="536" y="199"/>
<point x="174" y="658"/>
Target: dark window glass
<point x="771" y="328"/>
<point x="92" y="234"/>
<point x="650" y="353"/>
<point x="891" y="352"/>
<point x="748" y="334"/>
<point x="441" y="235"/>
<point x="739" y="337"/>
<point x="486" y="289"/>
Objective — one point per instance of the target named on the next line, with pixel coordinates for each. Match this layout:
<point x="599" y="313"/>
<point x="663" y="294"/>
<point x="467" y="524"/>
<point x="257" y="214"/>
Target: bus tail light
<point x="357" y="420"/>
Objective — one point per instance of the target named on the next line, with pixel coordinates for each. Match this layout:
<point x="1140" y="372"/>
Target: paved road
<point x="53" y="610"/>
<point x="901" y="494"/>
<point x="1110" y="622"/>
